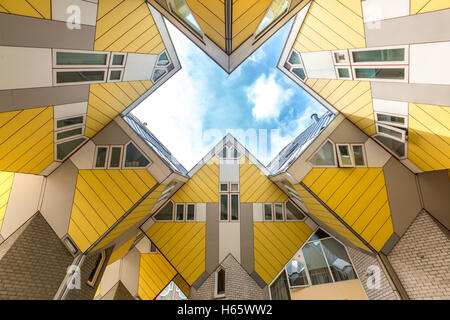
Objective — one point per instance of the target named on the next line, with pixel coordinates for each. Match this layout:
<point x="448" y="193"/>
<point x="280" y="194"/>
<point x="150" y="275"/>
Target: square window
<point x="224" y="187"/>
<point x="343" y="72"/>
<point x="118" y="60"/>
<point x="115" y="75"/>
<point x="234" y="187"/>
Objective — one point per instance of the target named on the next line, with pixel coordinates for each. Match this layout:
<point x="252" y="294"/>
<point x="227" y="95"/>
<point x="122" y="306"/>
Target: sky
<point x="201" y="103"/>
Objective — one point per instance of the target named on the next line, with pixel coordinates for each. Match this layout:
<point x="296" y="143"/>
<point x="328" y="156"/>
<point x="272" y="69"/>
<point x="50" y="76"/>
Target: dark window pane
<point x="158" y="74"/>
<point x="292" y="212"/>
<point x="320" y="234"/>
<point x="115" y="75"/>
<point x="223" y="153"/>
<point x="338" y="260"/>
<point x="118" y="60"/>
<point x="65" y="148"/>
<point x="299" y="72"/>
<point x="79" y="76"/>
<point x="134" y="158"/>
<point x="316" y="263"/>
<point x="190" y="212"/>
<point x="390" y="132"/>
<point x="223" y="207"/>
<point x="389" y="118"/>
<point x="345" y="155"/>
<point x="379" y="55"/>
<point x="234" y="207"/>
<point x="279" y="289"/>
<point x="380" y="73"/>
<point x="325" y="156"/>
<point x="344" y="73"/>
<point x="153" y="247"/>
<point x="267" y="212"/>
<point x="180" y="212"/>
<point x="221" y="281"/>
<point x="163" y="60"/>
<point x="115" y="157"/>
<point x="81" y="59"/>
<point x="278" y="211"/>
<point x="224" y="187"/>
<point x="69" y="122"/>
<point x="69" y="133"/>
<point x="296" y="273"/>
<point x="295" y="58"/>
<point x="359" y="155"/>
<point x="397" y="147"/>
<point x="166" y="212"/>
<point x="100" y="162"/>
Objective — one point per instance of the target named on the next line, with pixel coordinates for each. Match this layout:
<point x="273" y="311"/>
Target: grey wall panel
<point x="111" y="134"/>
<point x="347" y="132"/>
<point x="212" y="237"/>
<point x="247" y="253"/>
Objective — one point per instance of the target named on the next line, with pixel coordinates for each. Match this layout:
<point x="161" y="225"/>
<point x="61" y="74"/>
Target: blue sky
<point x="201" y="103"/>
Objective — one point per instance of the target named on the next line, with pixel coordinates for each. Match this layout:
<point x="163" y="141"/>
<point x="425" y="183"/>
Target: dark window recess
<point x="115" y="157"/>
<point x="190" y="212"/>
<point x="221" y="282"/>
<point x="94" y="270"/>
<point x="134" y="158"/>
<point x="65" y="148"/>
<point x="166" y="212"/>
<point x="79" y="76"/>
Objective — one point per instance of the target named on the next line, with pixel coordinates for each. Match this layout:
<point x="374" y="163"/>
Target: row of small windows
<point x="321" y="260"/>
<point x="176" y="212"/>
<point x="287" y="211"/>
<point x="69" y="135"/>
<point x="229" y="153"/>
<point x="113" y="157"/>
<point x="349" y="155"/>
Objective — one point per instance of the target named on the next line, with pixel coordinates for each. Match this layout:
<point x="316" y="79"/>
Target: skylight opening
<point x="182" y="11"/>
<point x="276" y="10"/>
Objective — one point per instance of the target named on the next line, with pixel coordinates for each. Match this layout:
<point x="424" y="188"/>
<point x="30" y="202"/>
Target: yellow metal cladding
<point x="255" y="186"/>
<point x="183" y="244"/>
<point x="422" y="6"/>
<point x="121" y="251"/>
<point x="101" y="198"/>
<point x="247" y="16"/>
<point x="359" y="197"/>
<point x="429" y="136"/>
<point x="155" y="273"/>
<point x="316" y="209"/>
<point x="352" y="98"/>
<point x="274" y="245"/>
<point x="31" y="8"/>
<point x="127" y="26"/>
<point x="6" y="181"/>
<point x="210" y="16"/>
<point x="142" y="210"/>
<point x="107" y="100"/>
<point x="26" y="140"/>
<point x="332" y="25"/>
<point x="182" y="284"/>
<point x="202" y="187"/>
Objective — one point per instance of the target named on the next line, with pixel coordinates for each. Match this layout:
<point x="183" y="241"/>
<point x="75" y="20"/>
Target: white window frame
<point x="64" y="129"/>
<point x="162" y="76"/>
<point x="110" y="155"/>
<point x="216" y="283"/>
<point x="159" y="209"/>
<point x="350" y="153"/>
<point x="55" y="71"/>
<point x="96" y="155"/>
<point x="74" y="126"/>
<point x="346" y="63"/>
<point x="168" y="58"/>
<point x="334" y="156"/>
<point x="350" y="73"/>
<point x="81" y="66"/>
<point x="118" y="54"/>
<point x="404" y="62"/>
<point x="402" y="132"/>
<point x="264" y="211"/>
<point x="195" y="211"/>
<point x="121" y="75"/>
<point x="176" y="212"/>
<point x="364" y="155"/>
<point x="55" y="147"/>
<point x="405" y="125"/>
<point x="229" y="207"/>
<point x="405" y="146"/>
<point x="229" y="193"/>
<point x="308" y="278"/>
<point x="283" y="212"/>
<point x="125" y="155"/>
<point x="297" y="65"/>
<point x="405" y="79"/>
<point x="295" y="205"/>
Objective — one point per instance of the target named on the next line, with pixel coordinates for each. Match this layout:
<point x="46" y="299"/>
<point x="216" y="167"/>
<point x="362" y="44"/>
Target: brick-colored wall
<point x="361" y="261"/>
<point x="122" y="292"/>
<point x="35" y="262"/>
<point x="238" y="284"/>
<point x="421" y="259"/>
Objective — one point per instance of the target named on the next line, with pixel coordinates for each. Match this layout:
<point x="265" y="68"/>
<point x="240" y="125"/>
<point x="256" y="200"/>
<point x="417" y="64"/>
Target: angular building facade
<point x="93" y="206"/>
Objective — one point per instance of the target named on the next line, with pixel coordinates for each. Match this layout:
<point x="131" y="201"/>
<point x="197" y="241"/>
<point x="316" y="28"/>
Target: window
<point x="163" y="60"/>
<point x="219" y="291"/>
<point x="380" y="73"/>
<point x="341" y="57"/>
<point x="343" y="73"/>
<point x="234" y="207"/>
<point x="93" y="277"/>
<point x="80" y="76"/>
<point x="224" y="207"/>
<point x="223" y="153"/>
<point x="81" y="59"/>
<point x="391" y="132"/>
<point x="229" y="201"/>
<point x="101" y="156"/>
<point x="300" y="72"/>
<point x="180" y="212"/>
<point x="64" y="149"/>
<point x="182" y="11"/>
<point x="292" y="212"/>
<point x="268" y="211"/>
<point x="190" y="212"/>
<point x="134" y="158"/>
<point x="234" y="187"/>
<point x="115" y="75"/>
<point x="278" y="211"/>
<point x="358" y="155"/>
<point x="234" y="153"/>
<point x="157" y="74"/>
<point x="296" y="271"/>
<point x="397" y="147"/>
<point x="279" y="289"/>
<point x="338" y="260"/>
<point x="165" y="213"/>
<point x="316" y="263"/>
<point x="325" y="156"/>
<point x="390" y="119"/>
<point x="345" y="159"/>
<point x="275" y="11"/>
<point x="383" y="55"/>
<point x="153" y="248"/>
<point x="61" y="135"/>
<point x="118" y="60"/>
<point x="115" y="157"/>
<point x="69" y="122"/>
<point x="295" y="65"/>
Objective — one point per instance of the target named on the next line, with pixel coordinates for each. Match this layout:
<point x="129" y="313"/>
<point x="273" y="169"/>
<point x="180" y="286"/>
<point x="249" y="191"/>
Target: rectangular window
<point x="383" y="55"/>
<point x="234" y="207"/>
<point x="80" y="76"/>
<point x="64" y="149"/>
<point x="279" y="211"/>
<point x="391" y="119"/>
<point x="115" y="75"/>
<point x="115" y="157"/>
<point x="180" y="212"/>
<point x="69" y="122"/>
<point x="190" y="214"/>
<point x="345" y="160"/>
<point x="380" y="73"/>
<point x="343" y="73"/>
<point x="234" y="187"/>
<point x="268" y="211"/>
<point x="81" y="59"/>
<point x="69" y="133"/>
<point x="392" y="132"/>
<point x="223" y="207"/>
<point x="102" y="153"/>
<point x="224" y="187"/>
<point x="118" y="60"/>
<point x="358" y="155"/>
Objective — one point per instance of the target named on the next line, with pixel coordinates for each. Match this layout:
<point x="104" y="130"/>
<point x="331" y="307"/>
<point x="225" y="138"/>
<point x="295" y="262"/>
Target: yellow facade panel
<point x="186" y="255"/>
<point x="423" y="6"/>
<point x="31" y="8"/>
<point x="274" y="245"/>
<point x="155" y="273"/>
<point x="119" y="252"/>
<point x="6" y="181"/>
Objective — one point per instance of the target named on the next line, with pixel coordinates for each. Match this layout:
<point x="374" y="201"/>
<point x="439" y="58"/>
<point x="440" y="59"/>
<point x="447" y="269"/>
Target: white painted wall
<point x="84" y="158"/>
<point x="88" y="11"/>
<point x="258" y="212"/>
<point x="229" y="171"/>
<point x="200" y="214"/>
<point x="139" y="67"/>
<point x="230" y="240"/>
<point x="69" y="110"/>
<point x="375" y="10"/>
<point x="429" y="63"/>
<point x="25" y="67"/>
<point x="319" y="64"/>
<point x="390" y="106"/>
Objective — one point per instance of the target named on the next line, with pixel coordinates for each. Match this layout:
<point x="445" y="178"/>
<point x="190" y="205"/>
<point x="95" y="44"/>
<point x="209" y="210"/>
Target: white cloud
<point x="268" y="97"/>
<point x="258" y="55"/>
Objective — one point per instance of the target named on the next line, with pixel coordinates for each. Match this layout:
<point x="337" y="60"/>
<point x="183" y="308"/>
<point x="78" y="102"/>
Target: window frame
<point x="109" y="75"/>
<point x="195" y="211"/>
<point x="295" y="205"/>
<point x="216" y="284"/>
<point x="98" y="269"/>
<point x="404" y="125"/>
<point x="345" y="63"/>
<point x="176" y="212"/>
<point x="405" y="79"/>
<point x="229" y="195"/>
<point x="402" y="132"/>
<point x="64" y="129"/>
<point x="404" y="62"/>
<point x="55" y="75"/>
<point x="350" y="153"/>
<point x="122" y="154"/>
<point x="161" y="76"/>
<point x="350" y="73"/>
<point x="160" y="208"/>
<point x="168" y="59"/>
<point x="55" y="148"/>
<point x="112" y="66"/>
<point x="296" y="65"/>
<point x="260" y="34"/>
<point x="264" y="211"/>
<point x="185" y="24"/>
<point x="334" y="156"/>
<point x="80" y="66"/>
<point x="150" y="162"/>
<point x="405" y="146"/>
<point x="363" y="152"/>
<point x="283" y="211"/>
<point x="96" y="155"/>
<point x="73" y="126"/>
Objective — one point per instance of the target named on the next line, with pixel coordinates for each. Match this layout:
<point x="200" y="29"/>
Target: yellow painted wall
<point x="275" y="243"/>
<point x="359" y="197"/>
<point x="6" y="181"/>
<point x="182" y="284"/>
<point x="155" y="273"/>
<point x="422" y="6"/>
<point x="126" y="26"/>
<point x="316" y="209"/>
<point x="119" y="252"/>
<point x="202" y="187"/>
<point x="31" y="8"/>
<point x="183" y="244"/>
<point x="247" y="16"/>
<point x="343" y="290"/>
<point x="332" y="25"/>
<point x="429" y="136"/>
<point x="255" y="186"/>
<point x="142" y="210"/>
<point x="101" y="198"/>
<point x="210" y="16"/>
<point x="26" y="140"/>
<point x="352" y="98"/>
<point x="107" y="100"/>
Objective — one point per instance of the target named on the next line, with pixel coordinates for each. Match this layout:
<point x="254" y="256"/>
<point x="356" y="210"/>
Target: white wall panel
<point x="430" y="63"/>
<point x="319" y="65"/>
